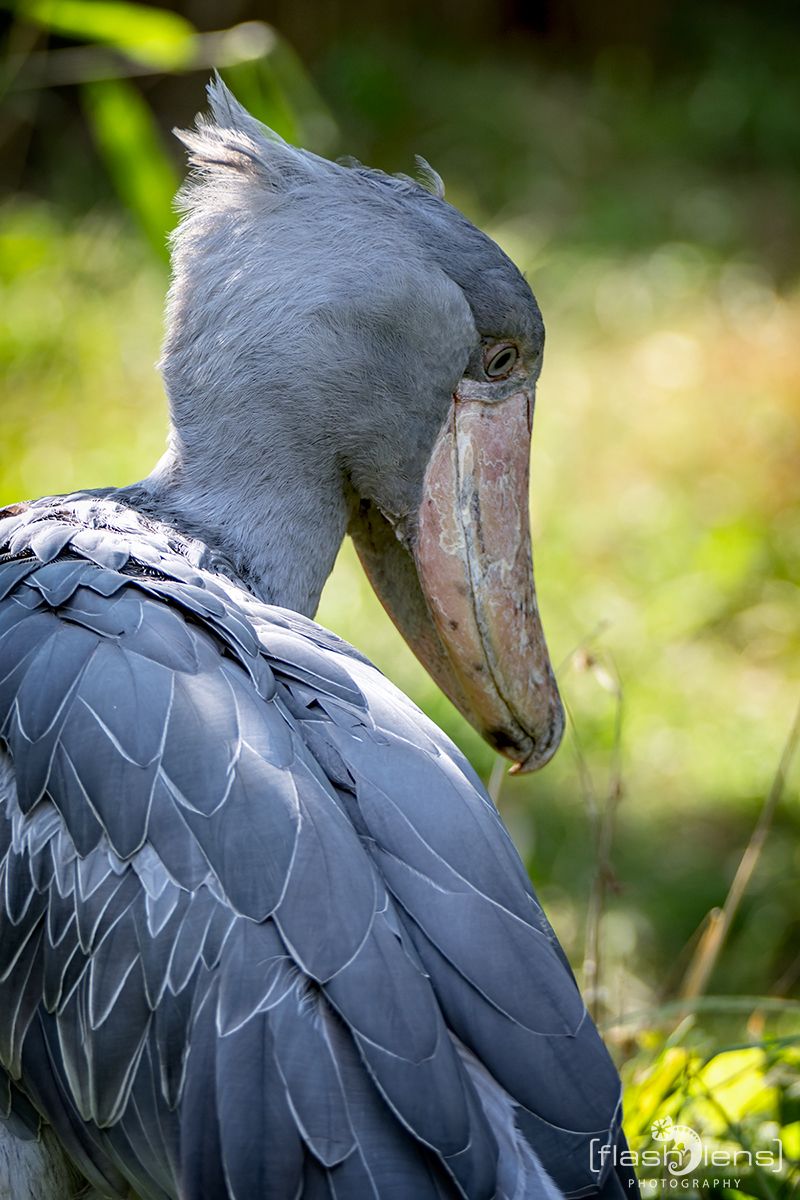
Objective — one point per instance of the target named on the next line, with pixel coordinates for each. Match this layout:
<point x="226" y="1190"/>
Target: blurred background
<point x="641" y="163"/>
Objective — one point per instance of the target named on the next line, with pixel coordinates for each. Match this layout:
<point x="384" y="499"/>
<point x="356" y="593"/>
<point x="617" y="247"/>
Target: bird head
<point x="368" y="323"/>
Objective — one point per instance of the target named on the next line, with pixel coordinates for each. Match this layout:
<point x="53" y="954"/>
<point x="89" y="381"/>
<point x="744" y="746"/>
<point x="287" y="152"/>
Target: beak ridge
<point x="473" y="558"/>
<point x="458" y="581"/>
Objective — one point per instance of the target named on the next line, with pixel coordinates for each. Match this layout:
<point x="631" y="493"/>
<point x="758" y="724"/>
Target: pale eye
<point x="500" y="361"/>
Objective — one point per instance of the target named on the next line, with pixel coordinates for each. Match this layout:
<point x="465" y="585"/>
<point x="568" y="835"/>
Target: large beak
<point x="471" y="615"/>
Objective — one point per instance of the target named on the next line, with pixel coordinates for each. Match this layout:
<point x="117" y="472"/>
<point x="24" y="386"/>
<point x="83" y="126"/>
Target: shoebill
<point x="262" y="931"/>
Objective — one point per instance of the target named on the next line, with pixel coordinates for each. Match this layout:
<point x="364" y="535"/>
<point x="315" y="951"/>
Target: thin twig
<point x="497" y="777"/>
<point x="604" y="822"/>
<point x="710" y="947"/>
<point x="648" y="1017"/>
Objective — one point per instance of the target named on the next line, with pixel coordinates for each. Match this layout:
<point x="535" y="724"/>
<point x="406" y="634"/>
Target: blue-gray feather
<point x="262" y="929"/>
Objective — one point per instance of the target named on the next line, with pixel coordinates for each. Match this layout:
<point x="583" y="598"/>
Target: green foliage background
<point x="655" y="207"/>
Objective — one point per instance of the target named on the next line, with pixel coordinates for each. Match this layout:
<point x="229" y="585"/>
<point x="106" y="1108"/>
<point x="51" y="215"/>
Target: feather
<point x="71" y="798"/>
<point x="262" y="727"/>
<point x="161" y="908"/>
<point x="129" y="700"/>
<point x="101" y="547"/>
<point x="482" y="940"/>
<point x="202" y="741"/>
<point x="16" y="1110"/>
<point x="87" y="609"/>
<point x="254" y="1112"/>
<point x="107" y="582"/>
<point x="93" y="871"/>
<point x="52" y="674"/>
<point x="249" y="840"/>
<point x="173" y="841"/>
<point x="18" y="646"/>
<point x="45" y="1081"/>
<point x="164" y="637"/>
<point x="60" y="919"/>
<point x="155" y="949"/>
<point x="19" y="894"/>
<point x="172" y="1025"/>
<point x="525" y="1064"/>
<point x="152" y="1128"/>
<point x="50" y="539"/>
<point x="58" y="581"/>
<point x="112" y="1061"/>
<point x="187" y="941"/>
<point x="106" y="776"/>
<point x="20" y="993"/>
<point x="112" y="964"/>
<point x="97" y="914"/>
<point x="61" y="971"/>
<point x="294" y="657"/>
<point x="43" y="705"/>
<point x="328" y="904"/>
<point x="13" y="573"/>
<point x="308" y="1068"/>
<point x="457" y="836"/>
<point x="192" y="599"/>
<point x="256" y="905"/>
<point x="387" y="1164"/>
<point x="14" y="517"/>
<point x="201" y="1171"/>
<point x="221" y="923"/>
<point x="256" y="974"/>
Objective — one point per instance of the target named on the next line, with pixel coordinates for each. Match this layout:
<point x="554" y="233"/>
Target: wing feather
<point x="254" y="1111"/>
<point x="258" y="912"/>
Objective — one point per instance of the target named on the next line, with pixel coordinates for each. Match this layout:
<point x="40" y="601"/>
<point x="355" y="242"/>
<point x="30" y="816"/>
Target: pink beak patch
<point x="474" y="561"/>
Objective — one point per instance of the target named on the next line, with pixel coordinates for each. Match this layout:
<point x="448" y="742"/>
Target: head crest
<point x="229" y="143"/>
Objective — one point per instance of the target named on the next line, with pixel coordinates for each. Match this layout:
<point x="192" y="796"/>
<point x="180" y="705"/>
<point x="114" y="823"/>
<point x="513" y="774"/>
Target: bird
<point x="263" y="933"/>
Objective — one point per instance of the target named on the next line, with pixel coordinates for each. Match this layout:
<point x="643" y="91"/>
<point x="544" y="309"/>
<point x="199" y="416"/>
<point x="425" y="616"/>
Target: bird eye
<point x="500" y="360"/>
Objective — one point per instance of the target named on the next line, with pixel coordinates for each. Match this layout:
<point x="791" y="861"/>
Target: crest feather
<point x="430" y="179"/>
<point x="232" y="142"/>
<point x="229" y="146"/>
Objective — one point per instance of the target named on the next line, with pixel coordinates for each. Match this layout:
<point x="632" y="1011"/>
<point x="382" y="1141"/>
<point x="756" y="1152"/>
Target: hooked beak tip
<point x="544" y="748"/>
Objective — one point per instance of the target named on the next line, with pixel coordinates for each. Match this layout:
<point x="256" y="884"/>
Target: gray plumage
<point x="263" y="933"/>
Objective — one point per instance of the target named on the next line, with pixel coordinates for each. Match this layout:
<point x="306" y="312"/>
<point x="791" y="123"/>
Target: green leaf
<point x="737" y="1083"/>
<point x="655" y="1092"/>
<point x="790" y="1136"/>
<point x="153" y="36"/>
<point x="129" y="142"/>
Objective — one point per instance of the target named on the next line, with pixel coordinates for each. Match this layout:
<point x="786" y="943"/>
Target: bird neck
<point x="279" y="524"/>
